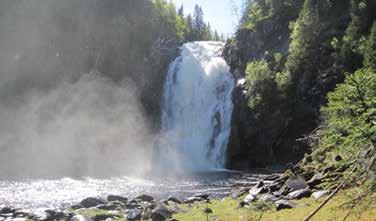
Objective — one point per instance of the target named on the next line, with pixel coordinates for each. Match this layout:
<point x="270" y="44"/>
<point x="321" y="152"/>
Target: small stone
<point x="320" y="194"/>
<point x="91" y="202"/>
<point x="338" y="158"/>
<point x="146" y="198"/>
<point x="283" y="204"/>
<point x="117" y="198"/>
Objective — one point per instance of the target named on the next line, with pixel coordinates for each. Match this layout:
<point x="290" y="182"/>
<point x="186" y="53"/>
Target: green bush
<point x="350" y="116"/>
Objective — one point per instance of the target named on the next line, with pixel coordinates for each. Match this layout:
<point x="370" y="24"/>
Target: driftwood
<point x="330" y="196"/>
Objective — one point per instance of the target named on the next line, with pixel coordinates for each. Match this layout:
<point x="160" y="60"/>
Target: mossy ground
<point x="227" y="210"/>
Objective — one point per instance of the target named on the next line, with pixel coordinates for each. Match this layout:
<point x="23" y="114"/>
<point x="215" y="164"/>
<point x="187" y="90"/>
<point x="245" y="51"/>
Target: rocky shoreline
<point x="276" y="189"/>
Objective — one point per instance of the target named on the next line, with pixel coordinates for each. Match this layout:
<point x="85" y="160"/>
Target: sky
<point x="220" y="13"/>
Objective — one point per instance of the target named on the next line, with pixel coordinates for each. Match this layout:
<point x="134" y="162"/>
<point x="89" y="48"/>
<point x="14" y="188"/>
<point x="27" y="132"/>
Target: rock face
<point x="91" y="202"/>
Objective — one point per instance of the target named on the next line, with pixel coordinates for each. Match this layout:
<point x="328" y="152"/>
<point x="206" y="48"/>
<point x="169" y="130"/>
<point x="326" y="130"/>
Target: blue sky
<point x="219" y="13"/>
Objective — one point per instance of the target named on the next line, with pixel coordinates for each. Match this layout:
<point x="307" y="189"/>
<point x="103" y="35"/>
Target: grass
<point x="336" y="209"/>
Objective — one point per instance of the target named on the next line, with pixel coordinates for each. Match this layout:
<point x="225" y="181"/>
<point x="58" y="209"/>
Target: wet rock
<point x="132" y="205"/>
<point x="5" y="210"/>
<point x="320" y="194"/>
<point x="258" y="190"/>
<point x="161" y="213"/>
<point x="249" y="198"/>
<point x="275" y="186"/>
<point x="109" y="206"/>
<point x="283" y="204"/>
<point x="39" y="215"/>
<point x="91" y="202"/>
<point x="80" y="218"/>
<point x="268" y="198"/>
<point x="298" y="194"/>
<point x="296" y="184"/>
<point x="193" y="199"/>
<point x="134" y="214"/>
<point x="202" y="196"/>
<point x="117" y="198"/>
<point x="146" y="198"/>
<point x="174" y="199"/>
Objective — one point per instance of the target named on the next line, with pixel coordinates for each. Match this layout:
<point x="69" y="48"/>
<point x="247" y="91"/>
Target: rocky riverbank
<point x="275" y="192"/>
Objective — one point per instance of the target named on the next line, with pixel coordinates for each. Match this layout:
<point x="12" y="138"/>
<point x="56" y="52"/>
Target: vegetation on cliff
<point x="293" y="56"/>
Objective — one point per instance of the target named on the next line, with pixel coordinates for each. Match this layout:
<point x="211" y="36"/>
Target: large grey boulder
<point x="91" y="202"/>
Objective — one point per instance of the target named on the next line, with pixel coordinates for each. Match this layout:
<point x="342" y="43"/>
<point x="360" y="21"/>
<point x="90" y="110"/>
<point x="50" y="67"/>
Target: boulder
<point x="296" y="184"/>
<point x="298" y="194"/>
<point x="193" y="199"/>
<point x="258" y="190"/>
<point x="161" y="213"/>
<point x="134" y="214"/>
<point x="117" y="198"/>
<point x="5" y="210"/>
<point x="92" y="202"/>
<point x="320" y="194"/>
<point x="174" y="199"/>
<point x="203" y="196"/>
<point x="145" y="198"/>
<point x="249" y="198"/>
<point x="283" y="204"/>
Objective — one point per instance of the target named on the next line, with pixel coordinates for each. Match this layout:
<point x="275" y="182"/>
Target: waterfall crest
<point x="197" y="108"/>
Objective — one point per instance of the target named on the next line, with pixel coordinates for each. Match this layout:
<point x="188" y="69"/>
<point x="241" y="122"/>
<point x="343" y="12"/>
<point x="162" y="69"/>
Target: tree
<point x="198" y="23"/>
<point x="301" y="65"/>
<point x="208" y="32"/>
<point x="216" y="36"/>
<point x="350" y="121"/>
<point x="181" y="11"/>
<point x="370" y="50"/>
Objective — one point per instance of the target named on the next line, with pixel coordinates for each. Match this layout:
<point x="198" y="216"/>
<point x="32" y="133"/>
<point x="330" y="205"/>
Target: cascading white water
<point x="196" y="108"/>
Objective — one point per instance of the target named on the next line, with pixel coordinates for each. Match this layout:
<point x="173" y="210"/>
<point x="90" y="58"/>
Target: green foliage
<point x="260" y="80"/>
<point x="370" y="49"/>
<point x="303" y="48"/>
<point x="350" y="116"/>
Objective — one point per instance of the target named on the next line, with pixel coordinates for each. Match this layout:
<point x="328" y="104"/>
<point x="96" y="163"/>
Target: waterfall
<point x="196" y="108"/>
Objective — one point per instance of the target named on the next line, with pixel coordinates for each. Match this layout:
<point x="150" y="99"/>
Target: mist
<point x="69" y="104"/>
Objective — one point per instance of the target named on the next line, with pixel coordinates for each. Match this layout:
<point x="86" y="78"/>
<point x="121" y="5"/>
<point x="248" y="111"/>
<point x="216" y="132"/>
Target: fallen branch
<point x="330" y="196"/>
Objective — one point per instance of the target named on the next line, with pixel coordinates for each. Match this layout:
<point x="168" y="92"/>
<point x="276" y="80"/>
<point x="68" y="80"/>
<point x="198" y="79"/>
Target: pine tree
<point x="189" y="35"/>
<point x="216" y="36"/>
<point x="181" y="11"/>
<point x="370" y="50"/>
<point x="198" y="23"/>
<point x="301" y="63"/>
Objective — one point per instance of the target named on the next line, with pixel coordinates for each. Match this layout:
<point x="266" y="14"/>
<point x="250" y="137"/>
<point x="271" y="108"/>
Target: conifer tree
<point x="370" y="50"/>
